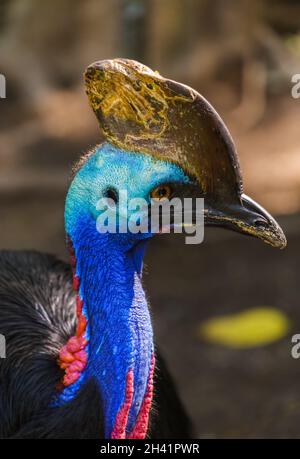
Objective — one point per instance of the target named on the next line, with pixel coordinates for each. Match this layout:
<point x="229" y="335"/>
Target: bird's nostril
<point x="260" y="223"/>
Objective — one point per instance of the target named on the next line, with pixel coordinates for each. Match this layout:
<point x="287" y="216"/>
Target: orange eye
<point x="161" y="193"/>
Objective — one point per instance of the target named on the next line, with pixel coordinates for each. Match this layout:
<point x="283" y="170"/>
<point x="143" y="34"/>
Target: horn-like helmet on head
<point x="139" y="110"/>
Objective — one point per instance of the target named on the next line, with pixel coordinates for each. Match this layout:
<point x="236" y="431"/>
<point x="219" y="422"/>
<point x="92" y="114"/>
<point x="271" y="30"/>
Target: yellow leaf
<point x="253" y="327"/>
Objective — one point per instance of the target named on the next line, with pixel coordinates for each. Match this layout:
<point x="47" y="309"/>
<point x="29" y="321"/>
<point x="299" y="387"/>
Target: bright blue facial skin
<point x="109" y="267"/>
<point x="109" y="167"/>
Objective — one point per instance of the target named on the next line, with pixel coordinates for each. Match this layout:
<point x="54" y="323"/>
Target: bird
<point x="80" y="355"/>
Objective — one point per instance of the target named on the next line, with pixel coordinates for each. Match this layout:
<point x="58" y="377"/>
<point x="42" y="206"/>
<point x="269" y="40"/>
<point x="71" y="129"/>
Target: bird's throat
<point x="114" y="336"/>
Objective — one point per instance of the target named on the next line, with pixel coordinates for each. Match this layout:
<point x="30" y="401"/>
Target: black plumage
<point x="37" y="317"/>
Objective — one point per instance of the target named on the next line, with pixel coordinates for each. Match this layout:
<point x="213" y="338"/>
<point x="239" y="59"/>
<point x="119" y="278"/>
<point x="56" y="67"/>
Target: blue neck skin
<point x="119" y="325"/>
<point x="109" y="268"/>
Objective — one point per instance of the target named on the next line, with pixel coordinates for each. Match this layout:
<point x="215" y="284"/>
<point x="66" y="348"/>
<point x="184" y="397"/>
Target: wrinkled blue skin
<point x="109" y="267"/>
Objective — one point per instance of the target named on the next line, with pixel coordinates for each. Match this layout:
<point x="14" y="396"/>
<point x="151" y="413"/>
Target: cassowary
<point x="81" y="360"/>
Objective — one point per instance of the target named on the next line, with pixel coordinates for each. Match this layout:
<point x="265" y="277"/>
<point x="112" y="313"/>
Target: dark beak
<point x="247" y="217"/>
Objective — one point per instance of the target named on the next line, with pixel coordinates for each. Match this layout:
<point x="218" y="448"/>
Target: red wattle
<point x="73" y="356"/>
<point x="119" y="430"/>
<point x="141" y="427"/>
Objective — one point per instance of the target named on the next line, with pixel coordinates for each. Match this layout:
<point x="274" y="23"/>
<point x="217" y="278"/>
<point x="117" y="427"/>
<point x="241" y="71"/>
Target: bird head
<point x="163" y="139"/>
<point x="115" y="189"/>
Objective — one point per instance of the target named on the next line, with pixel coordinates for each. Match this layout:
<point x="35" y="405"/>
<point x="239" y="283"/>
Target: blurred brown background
<point x="241" y="56"/>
